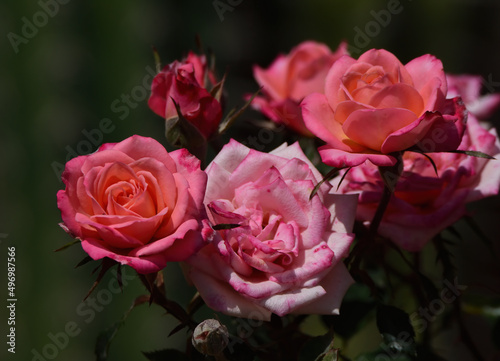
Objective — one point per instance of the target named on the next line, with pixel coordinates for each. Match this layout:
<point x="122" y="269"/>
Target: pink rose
<point x="375" y="106"/>
<point x="425" y="204"/>
<point x="469" y="88"/>
<point x="186" y="83"/>
<point x="290" y="78"/>
<point x="135" y="203"/>
<point x="282" y="253"/>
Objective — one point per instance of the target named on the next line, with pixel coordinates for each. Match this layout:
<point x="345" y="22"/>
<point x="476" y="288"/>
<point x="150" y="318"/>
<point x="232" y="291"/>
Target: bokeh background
<point x="86" y="61"/>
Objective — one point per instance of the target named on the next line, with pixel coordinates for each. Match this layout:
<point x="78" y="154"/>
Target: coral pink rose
<point x="469" y="88"/>
<point x="186" y="82"/>
<point x="374" y="106"/>
<point x="280" y="252"/>
<point x="135" y="203"/>
<point x="290" y="78"/>
<point x="425" y="204"/>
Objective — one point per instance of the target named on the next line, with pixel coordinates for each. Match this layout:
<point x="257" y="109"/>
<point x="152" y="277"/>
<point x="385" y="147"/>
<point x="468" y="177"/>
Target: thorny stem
<point x="158" y="297"/>
<point x="390" y="176"/>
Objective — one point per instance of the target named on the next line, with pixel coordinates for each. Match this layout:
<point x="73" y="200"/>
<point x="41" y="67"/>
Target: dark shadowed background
<point x="74" y="74"/>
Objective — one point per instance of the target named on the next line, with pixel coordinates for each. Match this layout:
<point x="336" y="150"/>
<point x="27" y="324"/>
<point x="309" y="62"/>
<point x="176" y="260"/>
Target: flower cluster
<point x="263" y="233"/>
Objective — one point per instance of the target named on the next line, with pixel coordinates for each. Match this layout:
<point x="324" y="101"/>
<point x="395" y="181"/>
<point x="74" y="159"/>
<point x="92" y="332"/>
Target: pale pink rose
<point x="290" y="78"/>
<point x="425" y="204"/>
<point x="285" y="253"/>
<point x="374" y="106"/>
<point x="469" y="88"/>
<point x="187" y="83"/>
<point x="135" y="203"/>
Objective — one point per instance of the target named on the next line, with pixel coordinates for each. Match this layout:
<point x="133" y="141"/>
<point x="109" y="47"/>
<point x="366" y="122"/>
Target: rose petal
<point x="334" y="80"/>
<point x="424" y="71"/>
<point x="283" y="304"/>
<point x="390" y="63"/>
<point x="371" y="127"/>
<point x="335" y="283"/>
<point x="96" y="249"/>
<point x="219" y="296"/>
<point x="398" y="96"/>
<point x="319" y="119"/>
<point x="340" y="159"/>
<point x="273" y="79"/>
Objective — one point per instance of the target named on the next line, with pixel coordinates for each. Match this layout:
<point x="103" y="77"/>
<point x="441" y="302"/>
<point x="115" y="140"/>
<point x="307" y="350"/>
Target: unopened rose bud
<point x="210" y="337"/>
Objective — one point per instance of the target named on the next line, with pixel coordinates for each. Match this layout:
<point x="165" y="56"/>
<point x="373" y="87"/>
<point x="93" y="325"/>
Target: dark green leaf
<point x="429" y="158"/>
<point x="222" y="226"/>
<point x="86" y="260"/>
<point x="332" y="173"/>
<point x="357" y="304"/>
<point x="472" y="153"/>
<point x="67" y="245"/>
<point x="397" y="331"/>
<point x="319" y="348"/>
<point x="165" y="355"/>
<point x="432" y="162"/>
<point x="343" y="176"/>
<point x="392" y="320"/>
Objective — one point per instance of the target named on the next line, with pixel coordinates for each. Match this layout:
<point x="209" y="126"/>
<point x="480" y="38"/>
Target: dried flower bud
<point x="210" y="337"/>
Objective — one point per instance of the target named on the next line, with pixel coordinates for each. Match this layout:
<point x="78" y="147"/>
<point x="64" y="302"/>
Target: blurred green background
<point x="86" y="58"/>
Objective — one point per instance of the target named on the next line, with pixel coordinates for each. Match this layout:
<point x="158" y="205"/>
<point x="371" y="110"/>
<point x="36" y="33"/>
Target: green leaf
<point x="222" y="226"/>
<point x="67" y="245"/>
<point x="397" y="331"/>
<point x="332" y="173"/>
<point x="472" y="153"/>
<point x="165" y="355"/>
<point x="392" y="320"/>
<point x="343" y="177"/>
<point x="86" y="260"/>
<point x="429" y="158"/>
